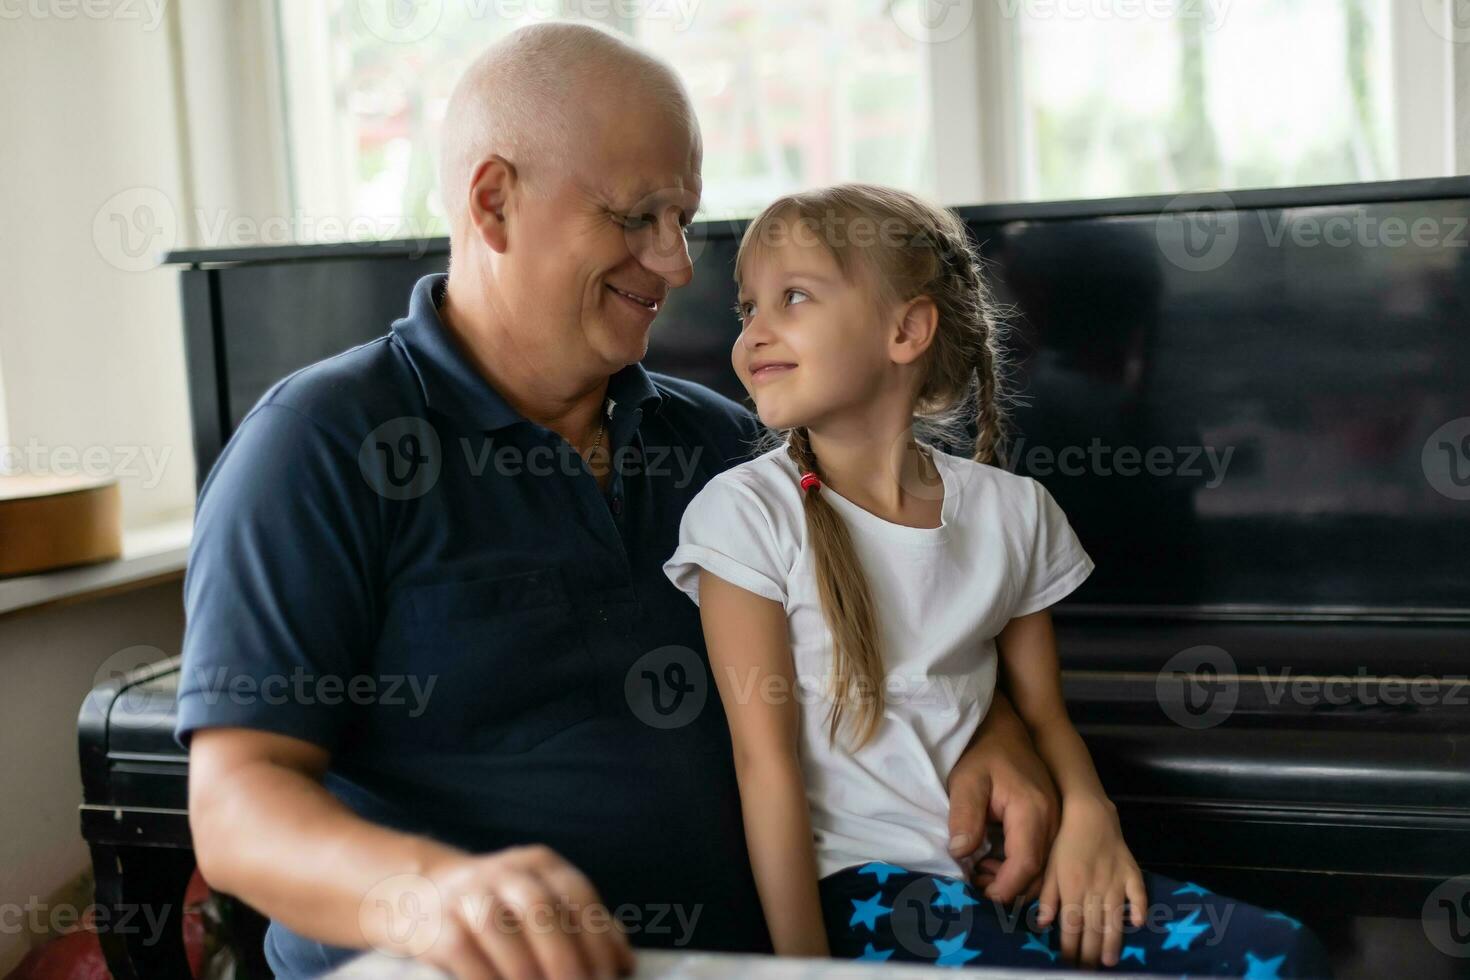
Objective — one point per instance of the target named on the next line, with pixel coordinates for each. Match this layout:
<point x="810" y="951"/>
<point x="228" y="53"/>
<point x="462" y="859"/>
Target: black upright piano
<point x="1255" y="410"/>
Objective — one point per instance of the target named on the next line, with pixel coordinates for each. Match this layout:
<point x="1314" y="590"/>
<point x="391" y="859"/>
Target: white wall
<point x="49" y="659"/>
<point x="90" y="335"/>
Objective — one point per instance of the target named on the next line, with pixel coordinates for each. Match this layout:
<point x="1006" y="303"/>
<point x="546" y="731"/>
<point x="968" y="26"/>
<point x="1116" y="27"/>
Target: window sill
<point x="151" y="555"/>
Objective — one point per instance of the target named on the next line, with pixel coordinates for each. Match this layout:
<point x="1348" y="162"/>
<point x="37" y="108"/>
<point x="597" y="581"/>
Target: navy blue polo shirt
<point x="391" y="562"/>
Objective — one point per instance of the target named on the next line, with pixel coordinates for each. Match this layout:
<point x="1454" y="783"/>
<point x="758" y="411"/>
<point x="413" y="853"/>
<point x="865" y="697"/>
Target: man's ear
<point x="914" y="330"/>
<point x="491" y="188"/>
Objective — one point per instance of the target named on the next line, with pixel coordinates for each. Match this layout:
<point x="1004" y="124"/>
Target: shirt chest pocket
<point x="506" y="657"/>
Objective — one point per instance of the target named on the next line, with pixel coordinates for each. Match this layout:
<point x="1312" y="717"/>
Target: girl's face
<point x="811" y="342"/>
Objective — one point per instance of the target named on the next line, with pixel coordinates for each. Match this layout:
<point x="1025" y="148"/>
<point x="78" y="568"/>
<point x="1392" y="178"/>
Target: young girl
<point x="858" y="587"/>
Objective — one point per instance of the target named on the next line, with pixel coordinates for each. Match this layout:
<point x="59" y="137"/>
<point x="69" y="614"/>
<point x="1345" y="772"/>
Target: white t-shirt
<point x="1004" y="549"/>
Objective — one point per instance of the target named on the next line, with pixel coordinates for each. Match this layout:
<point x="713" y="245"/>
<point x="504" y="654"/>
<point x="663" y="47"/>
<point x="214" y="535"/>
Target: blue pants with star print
<point x="882" y="912"/>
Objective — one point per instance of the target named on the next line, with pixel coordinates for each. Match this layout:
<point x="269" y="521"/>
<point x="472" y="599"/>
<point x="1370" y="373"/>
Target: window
<point x="1015" y="99"/>
<point x="1249" y="93"/>
<point x="790" y="94"/>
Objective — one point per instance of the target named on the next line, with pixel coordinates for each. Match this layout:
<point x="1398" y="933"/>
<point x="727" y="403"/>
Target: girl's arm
<point x="751" y="658"/>
<point x="1033" y="675"/>
<point x="1091" y="872"/>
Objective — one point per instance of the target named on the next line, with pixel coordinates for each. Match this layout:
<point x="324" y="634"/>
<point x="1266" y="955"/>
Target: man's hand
<point x="1000" y="778"/>
<point x="521" y="912"/>
<point x="266" y="830"/>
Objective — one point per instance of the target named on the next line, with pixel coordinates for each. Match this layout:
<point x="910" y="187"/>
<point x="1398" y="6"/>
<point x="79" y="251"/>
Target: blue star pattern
<point x="948" y="925"/>
<point x="951" y="895"/>
<point x="1295" y="923"/>
<point x="868" y="911"/>
<point x="881" y="871"/>
<point x="1034" y="943"/>
<point x="1183" y="932"/>
<point x="952" y="952"/>
<point x="1259" y="969"/>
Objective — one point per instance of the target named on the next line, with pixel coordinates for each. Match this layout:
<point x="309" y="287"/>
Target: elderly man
<point x="463" y="524"/>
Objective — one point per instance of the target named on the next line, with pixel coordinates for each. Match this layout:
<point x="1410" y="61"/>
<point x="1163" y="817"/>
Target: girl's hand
<point x="1090" y="874"/>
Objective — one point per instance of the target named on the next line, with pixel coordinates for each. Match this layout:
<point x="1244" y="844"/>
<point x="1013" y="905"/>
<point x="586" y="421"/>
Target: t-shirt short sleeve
<point x="728" y="530"/>
<point x="1056" y="563"/>
<point x="279" y="594"/>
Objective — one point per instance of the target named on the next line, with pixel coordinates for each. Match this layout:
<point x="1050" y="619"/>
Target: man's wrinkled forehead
<point x="644" y="154"/>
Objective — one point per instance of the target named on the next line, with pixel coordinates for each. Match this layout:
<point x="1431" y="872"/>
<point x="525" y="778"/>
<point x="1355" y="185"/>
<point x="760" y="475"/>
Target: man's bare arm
<point x="267" y="831"/>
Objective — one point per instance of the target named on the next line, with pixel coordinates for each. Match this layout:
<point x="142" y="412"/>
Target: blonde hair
<point x="907" y="248"/>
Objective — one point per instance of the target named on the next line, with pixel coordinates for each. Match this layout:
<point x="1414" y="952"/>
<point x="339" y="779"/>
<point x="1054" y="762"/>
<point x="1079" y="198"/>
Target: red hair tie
<point x="810" y="481"/>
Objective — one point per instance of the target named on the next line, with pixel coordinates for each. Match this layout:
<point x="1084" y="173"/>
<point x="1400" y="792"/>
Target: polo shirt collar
<point x="451" y="383"/>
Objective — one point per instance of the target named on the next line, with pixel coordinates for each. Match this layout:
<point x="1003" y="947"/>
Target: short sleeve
<point x="727" y="530"/>
<point x="1057" y="563"/>
<point x="279" y="593"/>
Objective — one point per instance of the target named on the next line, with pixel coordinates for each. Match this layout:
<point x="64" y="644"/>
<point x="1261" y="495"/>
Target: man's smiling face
<point x="599" y="250"/>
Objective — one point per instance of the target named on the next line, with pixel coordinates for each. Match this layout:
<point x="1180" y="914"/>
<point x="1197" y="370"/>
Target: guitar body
<point x="54" y="521"/>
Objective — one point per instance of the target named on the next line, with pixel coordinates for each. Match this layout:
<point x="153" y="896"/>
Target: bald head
<point x="531" y="97"/>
